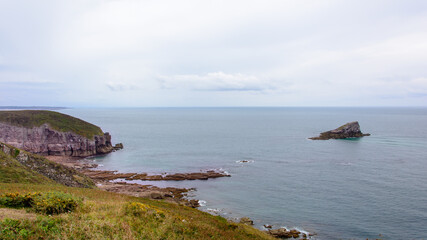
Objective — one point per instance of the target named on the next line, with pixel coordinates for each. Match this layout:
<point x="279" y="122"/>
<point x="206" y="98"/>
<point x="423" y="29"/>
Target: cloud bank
<point x="196" y="53"/>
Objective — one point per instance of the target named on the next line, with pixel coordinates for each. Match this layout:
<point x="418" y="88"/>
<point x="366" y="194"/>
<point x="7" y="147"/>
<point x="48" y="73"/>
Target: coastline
<point x="104" y="180"/>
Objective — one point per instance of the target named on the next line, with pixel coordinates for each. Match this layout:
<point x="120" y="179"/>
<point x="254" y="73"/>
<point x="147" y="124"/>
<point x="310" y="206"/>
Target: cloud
<point x="120" y="86"/>
<point x="229" y="53"/>
<point x="22" y="78"/>
<point x="216" y="81"/>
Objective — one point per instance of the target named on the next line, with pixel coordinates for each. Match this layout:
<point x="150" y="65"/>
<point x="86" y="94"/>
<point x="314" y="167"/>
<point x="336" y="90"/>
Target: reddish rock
<point x="46" y="141"/>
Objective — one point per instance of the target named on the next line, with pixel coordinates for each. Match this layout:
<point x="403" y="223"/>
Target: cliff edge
<point x="52" y="133"/>
<point x="19" y="166"/>
<point x="348" y="130"/>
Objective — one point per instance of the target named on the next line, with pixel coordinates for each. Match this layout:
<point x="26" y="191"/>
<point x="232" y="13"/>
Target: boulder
<point x="267" y="226"/>
<point x="284" y="233"/>
<point x="118" y="146"/>
<point x="246" y="220"/>
<point x="156" y="195"/>
<point x="348" y="130"/>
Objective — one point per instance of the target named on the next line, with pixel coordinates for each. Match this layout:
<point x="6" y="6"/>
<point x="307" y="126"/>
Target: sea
<point x="373" y="187"/>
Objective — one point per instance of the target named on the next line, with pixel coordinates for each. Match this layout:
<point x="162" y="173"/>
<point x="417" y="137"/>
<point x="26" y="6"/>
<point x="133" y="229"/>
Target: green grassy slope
<point x="57" y="121"/>
<point x="103" y="216"/>
<point x="11" y="171"/>
<point x="16" y="165"/>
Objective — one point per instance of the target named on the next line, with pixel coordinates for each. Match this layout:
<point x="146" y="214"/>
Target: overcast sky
<point x="213" y="53"/>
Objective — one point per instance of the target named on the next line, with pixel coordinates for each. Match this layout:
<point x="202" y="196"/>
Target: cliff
<point x="18" y="166"/>
<point x="52" y="133"/>
<point x="348" y="130"/>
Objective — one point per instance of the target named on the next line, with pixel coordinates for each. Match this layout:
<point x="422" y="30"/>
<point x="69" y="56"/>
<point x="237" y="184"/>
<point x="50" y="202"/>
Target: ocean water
<point x="373" y="187"/>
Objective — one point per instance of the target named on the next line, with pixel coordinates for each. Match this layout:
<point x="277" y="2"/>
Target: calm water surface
<point x="340" y="189"/>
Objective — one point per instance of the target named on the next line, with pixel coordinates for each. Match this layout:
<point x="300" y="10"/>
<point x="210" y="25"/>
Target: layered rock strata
<point x="348" y="130"/>
<point x="47" y="141"/>
<point x="113" y="175"/>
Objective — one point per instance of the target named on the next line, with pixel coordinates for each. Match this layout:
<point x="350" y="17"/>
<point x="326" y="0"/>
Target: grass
<point x="57" y="121"/>
<point x="105" y="215"/>
<point x="11" y="171"/>
<point x="98" y="214"/>
<point x="19" y="166"/>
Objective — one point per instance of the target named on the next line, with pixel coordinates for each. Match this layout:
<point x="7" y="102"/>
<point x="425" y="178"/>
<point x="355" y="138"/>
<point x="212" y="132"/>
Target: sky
<point x="169" y="53"/>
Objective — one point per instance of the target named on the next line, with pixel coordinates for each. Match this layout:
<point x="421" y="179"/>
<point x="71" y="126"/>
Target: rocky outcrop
<point x="57" y="172"/>
<point x="348" y="130"/>
<point x="284" y="233"/>
<point x="246" y="220"/>
<point x="47" y="141"/>
<point x="113" y="175"/>
<point x="118" y="146"/>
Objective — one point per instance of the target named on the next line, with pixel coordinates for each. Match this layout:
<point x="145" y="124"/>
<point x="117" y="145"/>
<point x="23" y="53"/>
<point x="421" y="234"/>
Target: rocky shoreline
<point x="104" y="180"/>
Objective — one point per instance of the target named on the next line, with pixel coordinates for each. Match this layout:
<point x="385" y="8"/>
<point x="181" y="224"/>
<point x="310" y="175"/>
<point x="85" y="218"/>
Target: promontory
<point x="52" y="133"/>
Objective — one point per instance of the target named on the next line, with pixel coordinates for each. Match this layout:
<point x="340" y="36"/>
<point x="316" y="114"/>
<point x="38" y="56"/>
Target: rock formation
<point x="246" y="220"/>
<point x="57" y="172"/>
<point x="348" y="130"/>
<point x="284" y="233"/>
<point x="47" y="141"/>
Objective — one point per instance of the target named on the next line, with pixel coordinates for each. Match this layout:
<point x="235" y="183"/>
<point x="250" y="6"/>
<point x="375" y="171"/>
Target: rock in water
<point x="284" y="233"/>
<point x="118" y="146"/>
<point x="348" y="130"/>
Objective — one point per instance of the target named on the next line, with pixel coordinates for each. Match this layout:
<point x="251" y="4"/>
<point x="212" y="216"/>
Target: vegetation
<point x="58" y="121"/>
<point x="11" y="171"/>
<point x="105" y="215"/>
<point x="20" y="166"/>
<point x="35" y="207"/>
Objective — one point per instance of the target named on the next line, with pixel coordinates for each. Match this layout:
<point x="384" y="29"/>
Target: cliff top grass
<point x="98" y="214"/>
<point x="11" y="171"/>
<point x="106" y="215"/>
<point x="57" y="121"/>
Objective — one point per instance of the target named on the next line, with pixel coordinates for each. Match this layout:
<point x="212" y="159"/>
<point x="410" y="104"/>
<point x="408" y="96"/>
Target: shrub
<point x="140" y="210"/>
<point x="47" y="203"/>
<point x="55" y="203"/>
<point x="42" y="228"/>
<point x="17" y="200"/>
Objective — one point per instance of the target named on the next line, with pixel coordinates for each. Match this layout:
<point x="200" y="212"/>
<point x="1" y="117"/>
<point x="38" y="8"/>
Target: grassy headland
<point x="103" y="215"/>
<point x="57" y="121"/>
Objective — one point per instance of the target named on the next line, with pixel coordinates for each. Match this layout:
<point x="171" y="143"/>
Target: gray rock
<point x="156" y="195"/>
<point x="348" y="130"/>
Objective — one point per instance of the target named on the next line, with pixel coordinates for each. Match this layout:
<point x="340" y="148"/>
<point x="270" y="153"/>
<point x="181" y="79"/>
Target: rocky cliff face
<point x="46" y="141"/>
<point x="348" y="130"/>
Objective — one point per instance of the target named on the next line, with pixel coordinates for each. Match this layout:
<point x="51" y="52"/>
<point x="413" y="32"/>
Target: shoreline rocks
<point x="118" y="146"/>
<point x="113" y="175"/>
<point x="284" y="233"/>
<point x="348" y="130"/>
<point x="246" y="220"/>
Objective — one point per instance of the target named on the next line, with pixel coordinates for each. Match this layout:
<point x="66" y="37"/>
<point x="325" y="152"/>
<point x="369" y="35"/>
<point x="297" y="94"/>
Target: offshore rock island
<point x="348" y="130"/>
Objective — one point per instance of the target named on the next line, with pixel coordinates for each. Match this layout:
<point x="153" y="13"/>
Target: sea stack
<point x="348" y="130"/>
<point x="52" y="133"/>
